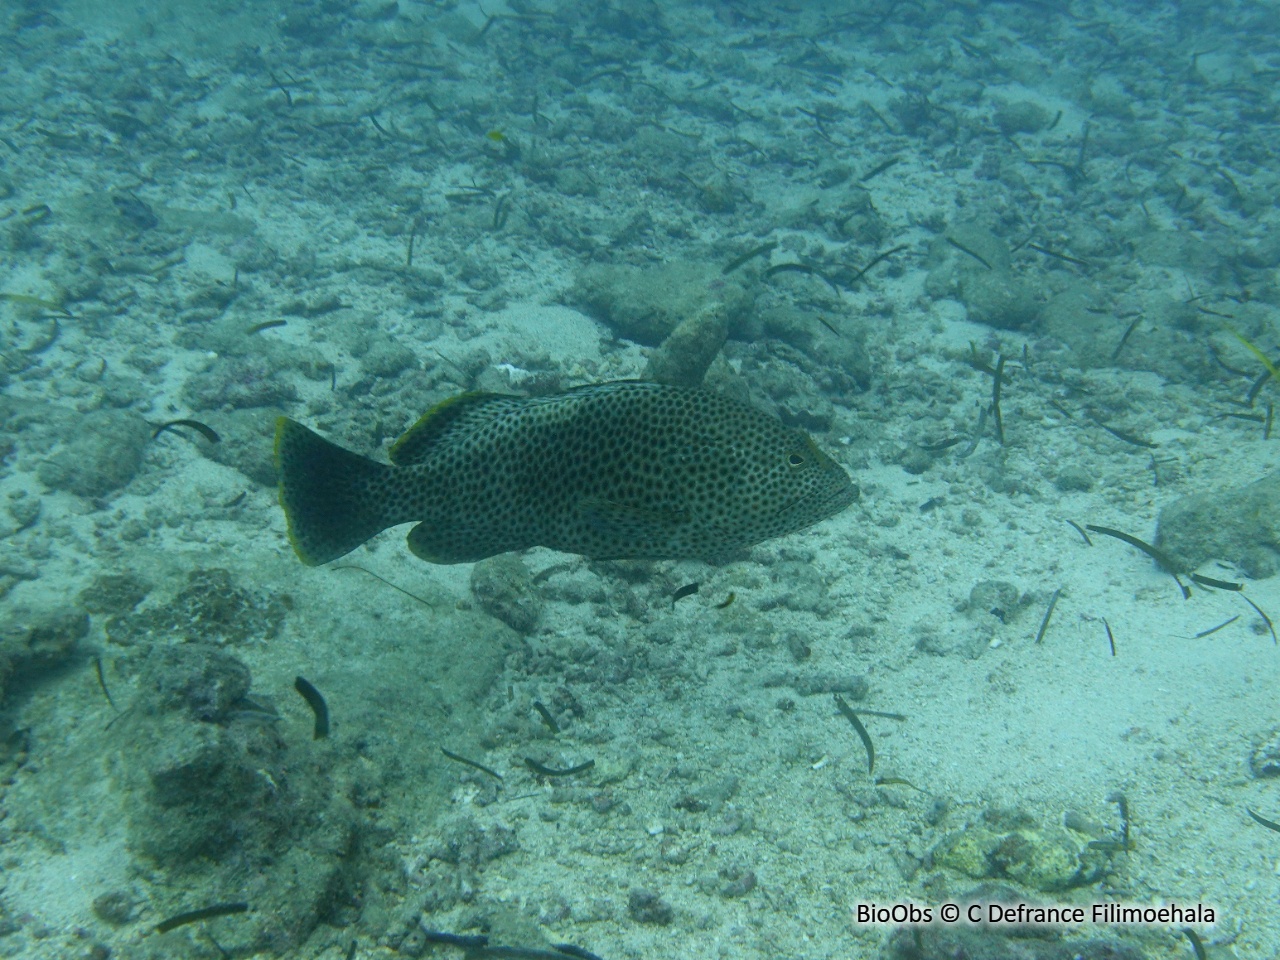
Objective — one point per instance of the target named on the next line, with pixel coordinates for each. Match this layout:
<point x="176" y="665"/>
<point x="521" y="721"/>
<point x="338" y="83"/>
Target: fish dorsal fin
<point x="446" y="422"/>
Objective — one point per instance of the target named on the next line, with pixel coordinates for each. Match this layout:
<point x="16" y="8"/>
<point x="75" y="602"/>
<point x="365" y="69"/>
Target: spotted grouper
<point x="611" y="471"/>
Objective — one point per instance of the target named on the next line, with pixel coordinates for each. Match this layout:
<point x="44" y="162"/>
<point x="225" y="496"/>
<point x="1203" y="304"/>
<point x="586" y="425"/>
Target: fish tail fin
<point x="333" y="499"/>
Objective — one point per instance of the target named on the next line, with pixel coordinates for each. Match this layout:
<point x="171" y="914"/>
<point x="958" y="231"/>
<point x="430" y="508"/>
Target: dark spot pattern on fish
<point x="614" y="470"/>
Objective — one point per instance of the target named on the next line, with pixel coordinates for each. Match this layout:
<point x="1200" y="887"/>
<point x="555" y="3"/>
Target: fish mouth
<point x="822" y="505"/>
<point x="840" y="498"/>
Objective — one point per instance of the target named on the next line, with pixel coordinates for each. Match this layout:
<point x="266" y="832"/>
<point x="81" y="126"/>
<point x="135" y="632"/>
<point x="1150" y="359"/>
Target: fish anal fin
<point x="454" y="544"/>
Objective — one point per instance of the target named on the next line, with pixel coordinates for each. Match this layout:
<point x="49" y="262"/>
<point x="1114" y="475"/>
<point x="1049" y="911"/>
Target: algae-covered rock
<point x="856" y="218"/>
<point x="1005" y="940"/>
<point x="211" y="608"/>
<point x="646" y="304"/>
<point x="114" y="593"/>
<point x="219" y="796"/>
<point x="999" y="299"/>
<point x="972" y="264"/>
<point x="238" y="381"/>
<point x="719" y="193"/>
<point x="988" y="596"/>
<point x="503" y="588"/>
<point x="971" y="241"/>
<point x="387" y="358"/>
<point x="201" y="772"/>
<point x="1240" y="525"/>
<point x="1021" y="116"/>
<point x="685" y="356"/>
<point x="1264" y="762"/>
<point x="248" y="441"/>
<point x="936" y="941"/>
<point x="1041" y="858"/>
<point x="194" y="678"/>
<point x="1074" y="478"/>
<point x="843" y="357"/>
<point x="102" y="454"/>
<point x="1155" y="332"/>
<point x="35" y="640"/>
<point x="847" y="360"/>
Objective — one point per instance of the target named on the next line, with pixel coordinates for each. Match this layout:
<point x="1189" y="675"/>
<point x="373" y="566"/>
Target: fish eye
<point x="795" y="460"/>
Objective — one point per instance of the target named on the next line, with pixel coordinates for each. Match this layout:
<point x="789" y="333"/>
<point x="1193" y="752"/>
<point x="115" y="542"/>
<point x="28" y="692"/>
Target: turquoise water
<point x="1012" y="266"/>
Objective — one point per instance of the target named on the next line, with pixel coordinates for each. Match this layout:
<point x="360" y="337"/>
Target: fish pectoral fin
<point x="621" y="519"/>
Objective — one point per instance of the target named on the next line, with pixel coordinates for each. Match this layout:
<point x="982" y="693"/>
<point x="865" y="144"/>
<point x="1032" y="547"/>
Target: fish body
<point x="628" y="469"/>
